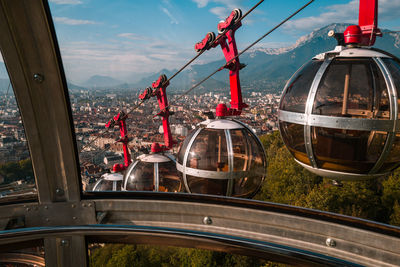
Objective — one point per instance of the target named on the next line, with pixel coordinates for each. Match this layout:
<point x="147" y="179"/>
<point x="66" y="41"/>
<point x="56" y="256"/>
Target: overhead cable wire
<point x="239" y="54"/>
<point x="177" y="72"/>
<point x="215" y="42"/>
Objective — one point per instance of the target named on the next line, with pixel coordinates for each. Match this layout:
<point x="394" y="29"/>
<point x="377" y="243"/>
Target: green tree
<point x="395" y="217"/>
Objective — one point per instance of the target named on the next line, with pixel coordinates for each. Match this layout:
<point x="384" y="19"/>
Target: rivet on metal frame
<point x="207" y="220"/>
<point x="330" y="242"/>
<point x="65" y="243"/>
<point x="59" y="192"/>
<point x="38" y="77"/>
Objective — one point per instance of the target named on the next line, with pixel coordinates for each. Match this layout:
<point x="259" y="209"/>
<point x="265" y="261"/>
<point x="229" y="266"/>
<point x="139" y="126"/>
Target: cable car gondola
<point x="109" y="182"/>
<point x="155" y="171"/>
<point x="339" y="112"/>
<point x="222" y="157"/>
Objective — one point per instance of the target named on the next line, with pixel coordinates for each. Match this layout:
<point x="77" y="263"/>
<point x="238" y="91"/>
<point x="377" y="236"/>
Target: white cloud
<point x="120" y="59"/>
<point x="171" y="17"/>
<point x="344" y="13"/>
<point x="132" y="36"/>
<point x="69" y="21"/>
<point x="223" y="9"/>
<point x="221" y="12"/>
<point x="201" y="3"/>
<point x="66" y="2"/>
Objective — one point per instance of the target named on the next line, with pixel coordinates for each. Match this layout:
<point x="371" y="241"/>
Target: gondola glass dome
<point x="153" y="172"/>
<point x="338" y="114"/>
<point x="222" y="157"/>
<point x="109" y="182"/>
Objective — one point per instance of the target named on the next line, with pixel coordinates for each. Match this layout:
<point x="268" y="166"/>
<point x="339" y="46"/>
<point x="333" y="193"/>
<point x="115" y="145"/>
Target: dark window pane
<point x="207" y="186"/>
<point x="293" y="136"/>
<point x="296" y="94"/>
<point x="254" y="166"/>
<point x="347" y="150"/>
<point x="209" y="151"/>
<point x="394" y="69"/>
<point x="183" y="147"/>
<point x="352" y="88"/>
<point x="141" y="178"/>
<point x="168" y="177"/>
<point x="103" y="185"/>
<point x="393" y="159"/>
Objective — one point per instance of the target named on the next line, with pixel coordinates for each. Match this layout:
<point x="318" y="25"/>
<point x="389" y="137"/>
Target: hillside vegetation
<point x="286" y="183"/>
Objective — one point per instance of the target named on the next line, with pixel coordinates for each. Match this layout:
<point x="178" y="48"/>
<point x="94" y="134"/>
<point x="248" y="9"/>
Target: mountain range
<point x="266" y="68"/>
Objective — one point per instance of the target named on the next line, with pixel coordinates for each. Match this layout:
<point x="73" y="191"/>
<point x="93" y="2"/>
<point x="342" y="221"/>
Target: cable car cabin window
<point x="296" y="93"/>
<point x="183" y="147"/>
<point x="17" y="180"/>
<point x="169" y="178"/>
<point x="249" y="157"/>
<point x="141" y="178"/>
<point x="347" y="150"/>
<point x="293" y="136"/>
<point x="393" y="158"/>
<point x="209" y="151"/>
<point x="352" y="88"/>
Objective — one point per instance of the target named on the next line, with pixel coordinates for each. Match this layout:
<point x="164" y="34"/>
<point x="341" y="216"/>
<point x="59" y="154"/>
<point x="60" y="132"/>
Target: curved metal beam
<point x="341" y="237"/>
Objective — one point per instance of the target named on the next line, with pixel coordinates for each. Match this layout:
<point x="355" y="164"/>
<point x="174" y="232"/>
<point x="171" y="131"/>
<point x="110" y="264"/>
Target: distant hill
<point x="271" y="67"/>
<point x="98" y="81"/>
<point x="267" y="68"/>
<point x="72" y="86"/>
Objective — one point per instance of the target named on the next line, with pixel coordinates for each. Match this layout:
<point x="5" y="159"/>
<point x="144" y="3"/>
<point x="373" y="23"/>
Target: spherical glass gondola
<point x="109" y="182"/>
<point x="222" y="157"/>
<point x="153" y="172"/>
<point x="338" y="114"/>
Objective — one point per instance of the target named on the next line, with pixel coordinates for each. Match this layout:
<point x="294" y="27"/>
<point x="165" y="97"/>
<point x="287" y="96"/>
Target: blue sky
<point x="123" y="39"/>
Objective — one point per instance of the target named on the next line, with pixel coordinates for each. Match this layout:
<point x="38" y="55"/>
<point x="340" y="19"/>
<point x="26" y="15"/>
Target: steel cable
<point x="176" y="73"/>
<point x="239" y="54"/>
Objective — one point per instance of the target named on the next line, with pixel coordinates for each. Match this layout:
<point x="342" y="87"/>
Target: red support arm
<point x="228" y="45"/>
<point x="159" y="90"/>
<point x="368" y="21"/>
<point x="120" y="120"/>
<point x="365" y="32"/>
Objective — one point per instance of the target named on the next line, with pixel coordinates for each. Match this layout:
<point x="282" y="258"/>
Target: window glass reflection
<point x="393" y="159"/>
<point x="141" y="178"/>
<point x="352" y="88"/>
<point x="169" y="178"/>
<point x="209" y="151"/>
<point x="296" y="94"/>
<point x="16" y="174"/>
<point x="248" y="156"/>
<point x="293" y="136"/>
<point x="347" y="150"/>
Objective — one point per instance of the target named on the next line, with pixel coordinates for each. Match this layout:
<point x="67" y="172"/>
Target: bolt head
<point x="64" y="243"/>
<point x="38" y="77"/>
<point x="330" y="242"/>
<point x="59" y="192"/>
<point x="207" y="220"/>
